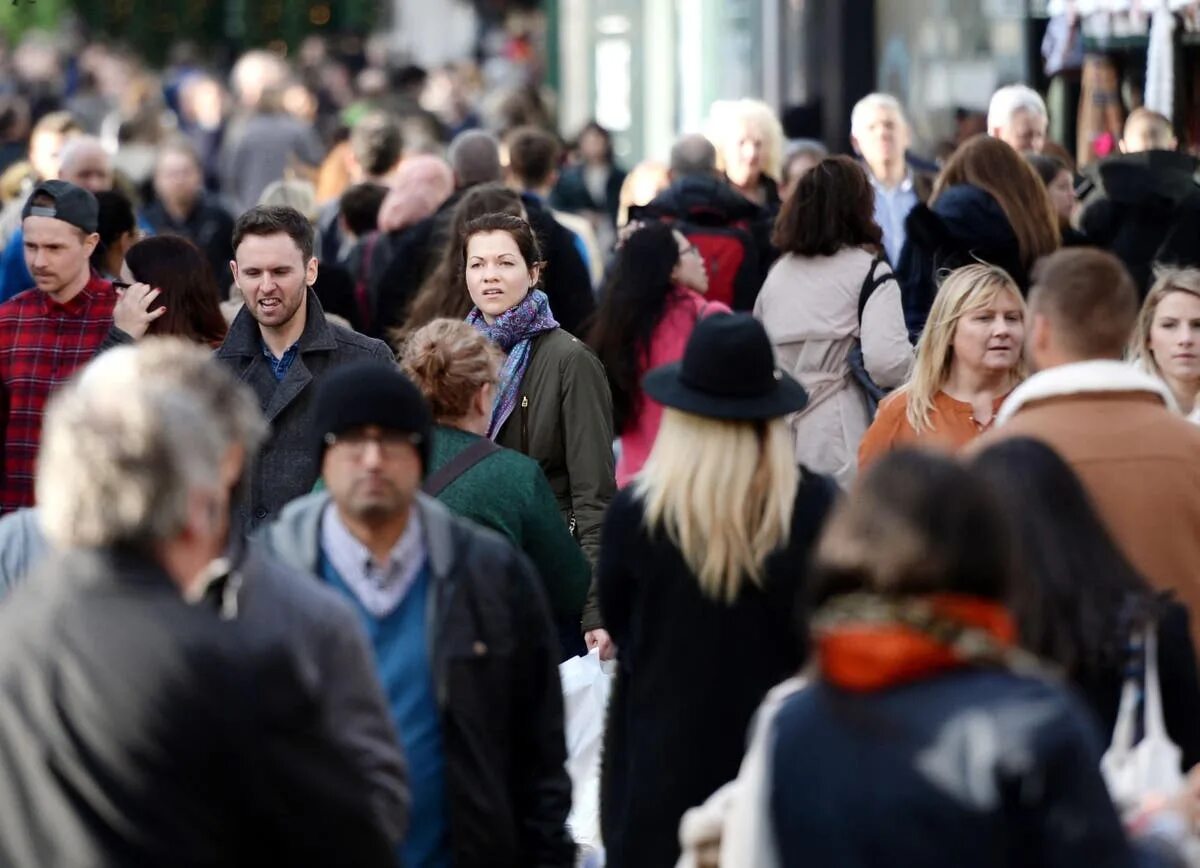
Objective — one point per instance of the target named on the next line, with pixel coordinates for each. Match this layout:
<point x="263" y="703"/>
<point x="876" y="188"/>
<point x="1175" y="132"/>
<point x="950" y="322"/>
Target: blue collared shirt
<point x="891" y="210"/>
<point x="280" y="367"/>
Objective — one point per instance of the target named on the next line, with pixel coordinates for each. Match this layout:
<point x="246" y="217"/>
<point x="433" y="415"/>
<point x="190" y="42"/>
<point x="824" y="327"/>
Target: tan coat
<point x="1139" y="461"/>
<point x="809" y="307"/>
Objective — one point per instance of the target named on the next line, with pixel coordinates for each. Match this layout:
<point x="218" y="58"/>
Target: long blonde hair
<point x="723" y="492"/>
<point x="1166" y="281"/>
<point x="965" y="290"/>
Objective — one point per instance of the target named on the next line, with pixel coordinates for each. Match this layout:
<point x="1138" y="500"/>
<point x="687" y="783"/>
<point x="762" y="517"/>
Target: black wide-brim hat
<point x="728" y="371"/>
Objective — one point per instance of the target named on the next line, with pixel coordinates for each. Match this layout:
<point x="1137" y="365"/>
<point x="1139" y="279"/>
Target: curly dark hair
<point x="833" y="207"/>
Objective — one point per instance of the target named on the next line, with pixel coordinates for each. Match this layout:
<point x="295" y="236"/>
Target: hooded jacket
<point x="964" y="225"/>
<point x="1146" y="212"/>
<point x="494" y="658"/>
<point x="703" y="202"/>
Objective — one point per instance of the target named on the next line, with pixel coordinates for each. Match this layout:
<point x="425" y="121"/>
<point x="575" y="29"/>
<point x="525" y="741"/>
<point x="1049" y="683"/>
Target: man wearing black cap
<point x="461" y="631"/>
<point x="48" y="331"/>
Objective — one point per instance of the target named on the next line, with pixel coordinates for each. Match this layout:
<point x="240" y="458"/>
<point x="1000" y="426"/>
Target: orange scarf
<point x="866" y="642"/>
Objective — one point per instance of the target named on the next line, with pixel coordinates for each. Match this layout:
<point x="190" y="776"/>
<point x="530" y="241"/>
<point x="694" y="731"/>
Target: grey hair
<point x="121" y="457"/>
<point x="78" y="146"/>
<point x="1007" y="101"/>
<point x="870" y="102"/>
<point x="693" y="154"/>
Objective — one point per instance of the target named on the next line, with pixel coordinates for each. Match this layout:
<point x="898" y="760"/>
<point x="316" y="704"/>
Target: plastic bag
<point x="1151" y="767"/>
<point x="586" y="686"/>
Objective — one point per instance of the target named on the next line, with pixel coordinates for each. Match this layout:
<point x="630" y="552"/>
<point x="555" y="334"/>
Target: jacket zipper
<point x="525" y="424"/>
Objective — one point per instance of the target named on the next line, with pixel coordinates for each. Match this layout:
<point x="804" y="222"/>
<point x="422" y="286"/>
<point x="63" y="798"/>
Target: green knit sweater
<point x="508" y="493"/>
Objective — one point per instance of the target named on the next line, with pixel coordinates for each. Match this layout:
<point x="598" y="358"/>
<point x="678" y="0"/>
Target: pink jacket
<point x="683" y="310"/>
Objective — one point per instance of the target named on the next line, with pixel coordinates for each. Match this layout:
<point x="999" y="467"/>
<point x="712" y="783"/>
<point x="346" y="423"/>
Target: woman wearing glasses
<point x="652" y="300"/>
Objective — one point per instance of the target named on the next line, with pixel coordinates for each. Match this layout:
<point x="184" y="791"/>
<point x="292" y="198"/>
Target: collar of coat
<point x="1083" y="378"/>
<point x="245" y="337"/>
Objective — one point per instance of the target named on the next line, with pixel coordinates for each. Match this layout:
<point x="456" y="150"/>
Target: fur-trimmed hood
<point x="1084" y="378"/>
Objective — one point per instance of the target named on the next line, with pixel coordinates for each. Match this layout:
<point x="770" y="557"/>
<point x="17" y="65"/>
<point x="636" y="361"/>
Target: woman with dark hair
<point x="552" y="401"/>
<point x="174" y="272"/>
<point x="652" y="300"/>
<point x="829" y="292"/>
<point x="1060" y="186"/>
<point x="988" y="205"/>
<point x="118" y="231"/>
<point x="1080" y="600"/>
<point x="927" y="737"/>
<point x="443" y="294"/>
<point x="591" y="187"/>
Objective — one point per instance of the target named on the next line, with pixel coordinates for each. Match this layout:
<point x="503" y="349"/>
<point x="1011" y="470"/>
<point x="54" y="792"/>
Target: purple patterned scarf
<point x="513" y="332"/>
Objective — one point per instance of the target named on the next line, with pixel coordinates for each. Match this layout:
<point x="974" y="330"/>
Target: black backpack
<point x="872" y="392"/>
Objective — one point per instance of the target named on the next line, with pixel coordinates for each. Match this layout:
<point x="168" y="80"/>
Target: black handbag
<point x="872" y="392"/>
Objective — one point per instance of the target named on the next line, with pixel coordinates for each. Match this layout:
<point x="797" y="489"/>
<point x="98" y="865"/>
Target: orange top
<point x="952" y="426"/>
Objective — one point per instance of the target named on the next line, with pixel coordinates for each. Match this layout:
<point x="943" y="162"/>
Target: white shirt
<point x="892" y="205"/>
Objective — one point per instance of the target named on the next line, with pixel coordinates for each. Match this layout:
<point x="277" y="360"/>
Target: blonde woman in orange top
<point x="968" y="359"/>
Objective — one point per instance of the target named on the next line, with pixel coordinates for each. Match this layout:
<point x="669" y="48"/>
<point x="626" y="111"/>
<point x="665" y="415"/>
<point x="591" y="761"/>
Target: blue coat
<point x="980" y="768"/>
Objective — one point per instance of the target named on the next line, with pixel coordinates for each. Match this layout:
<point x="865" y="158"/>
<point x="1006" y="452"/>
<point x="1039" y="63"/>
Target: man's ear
<point x="310" y="271"/>
<point x="854" y="144"/>
<point x="1121" y="146"/>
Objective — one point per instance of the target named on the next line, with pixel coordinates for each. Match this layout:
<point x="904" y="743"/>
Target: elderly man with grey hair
<point x="1017" y="116"/>
<point x="880" y="134"/>
<point x="161" y="707"/>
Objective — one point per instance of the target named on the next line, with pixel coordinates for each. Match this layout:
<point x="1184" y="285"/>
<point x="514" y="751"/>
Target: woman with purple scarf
<point x="552" y="402"/>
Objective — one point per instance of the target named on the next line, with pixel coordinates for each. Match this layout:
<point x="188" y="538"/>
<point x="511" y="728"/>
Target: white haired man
<point x="881" y="136"/>
<point x="1017" y="115"/>
<point x="157" y="713"/>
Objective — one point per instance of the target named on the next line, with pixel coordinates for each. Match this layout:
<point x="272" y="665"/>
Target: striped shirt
<point x="42" y="343"/>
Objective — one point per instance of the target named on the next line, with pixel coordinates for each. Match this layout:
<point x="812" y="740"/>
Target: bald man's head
<point x="693" y="154"/>
<point x="86" y="164"/>
<point x="475" y="159"/>
<point x="1146" y="130"/>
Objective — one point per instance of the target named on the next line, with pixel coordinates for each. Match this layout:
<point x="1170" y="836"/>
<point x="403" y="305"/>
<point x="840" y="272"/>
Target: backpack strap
<point x="870" y="284"/>
<point x="437" y="481"/>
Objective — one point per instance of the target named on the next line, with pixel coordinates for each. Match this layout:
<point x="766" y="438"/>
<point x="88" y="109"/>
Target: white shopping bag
<point x="585" y="687"/>
<point x="1152" y="766"/>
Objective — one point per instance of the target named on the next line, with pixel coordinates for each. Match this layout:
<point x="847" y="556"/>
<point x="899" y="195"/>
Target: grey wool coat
<point x="288" y="465"/>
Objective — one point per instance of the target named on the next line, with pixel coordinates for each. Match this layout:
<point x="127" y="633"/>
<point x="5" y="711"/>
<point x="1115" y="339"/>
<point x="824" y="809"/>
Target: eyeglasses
<point x="391" y="443"/>
<point x="691" y="248"/>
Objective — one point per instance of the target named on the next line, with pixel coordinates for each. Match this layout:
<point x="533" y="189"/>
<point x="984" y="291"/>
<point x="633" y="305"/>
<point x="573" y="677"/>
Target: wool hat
<point x="359" y="394"/>
<point x="728" y="371"/>
<point x="72" y="204"/>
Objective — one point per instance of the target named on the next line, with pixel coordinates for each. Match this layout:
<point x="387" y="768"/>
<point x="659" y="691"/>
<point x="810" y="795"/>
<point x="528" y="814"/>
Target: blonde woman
<point x="749" y="142"/>
<point x="701" y="559"/>
<point x="1166" y="339"/>
<point x="968" y="360"/>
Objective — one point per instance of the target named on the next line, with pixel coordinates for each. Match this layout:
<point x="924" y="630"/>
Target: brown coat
<point x="1139" y="461"/>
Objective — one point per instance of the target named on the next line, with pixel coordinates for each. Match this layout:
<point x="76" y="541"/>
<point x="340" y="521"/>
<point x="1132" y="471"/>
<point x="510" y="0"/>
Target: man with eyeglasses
<point x="461" y="631"/>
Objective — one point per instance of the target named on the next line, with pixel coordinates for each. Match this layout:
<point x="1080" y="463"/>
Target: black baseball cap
<point x="72" y="204"/>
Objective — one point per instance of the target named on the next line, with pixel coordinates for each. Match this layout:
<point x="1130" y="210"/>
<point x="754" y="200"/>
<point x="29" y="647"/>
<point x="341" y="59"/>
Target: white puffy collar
<point x="1084" y="378"/>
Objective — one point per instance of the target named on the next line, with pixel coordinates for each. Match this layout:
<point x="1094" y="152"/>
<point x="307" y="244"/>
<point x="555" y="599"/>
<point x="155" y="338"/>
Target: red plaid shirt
<point x="42" y="343"/>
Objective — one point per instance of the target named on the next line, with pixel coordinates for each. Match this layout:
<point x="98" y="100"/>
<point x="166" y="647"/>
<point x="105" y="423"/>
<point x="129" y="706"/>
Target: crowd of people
<point x="337" y="414"/>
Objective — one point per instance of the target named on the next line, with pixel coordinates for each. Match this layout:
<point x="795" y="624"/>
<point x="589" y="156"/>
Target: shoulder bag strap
<point x="437" y="481"/>
<point x="870" y="284"/>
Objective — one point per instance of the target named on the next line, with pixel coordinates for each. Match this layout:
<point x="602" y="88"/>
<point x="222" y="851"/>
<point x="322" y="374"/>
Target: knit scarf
<point x="866" y="642"/>
<point x="513" y="331"/>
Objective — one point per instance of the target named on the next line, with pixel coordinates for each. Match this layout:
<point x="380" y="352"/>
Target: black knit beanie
<point x="371" y="393"/>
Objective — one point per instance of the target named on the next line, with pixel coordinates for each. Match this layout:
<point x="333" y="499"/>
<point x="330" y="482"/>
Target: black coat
<point x="494" y="658"/>
<point x="209" y="227"/>
<point x="571" y="193"/>
<point x="691" y="672"/>
<point x="287" y="465"/>
<point x="1147" y="212"/>
<point x="975" y="767"/>
<point x="965" y="225"/>
<point x="139" y="730"/>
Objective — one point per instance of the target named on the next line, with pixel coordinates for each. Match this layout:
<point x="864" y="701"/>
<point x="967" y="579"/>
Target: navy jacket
<point x="980" y="768"/>
<point x="965" y="225"/>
